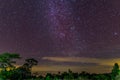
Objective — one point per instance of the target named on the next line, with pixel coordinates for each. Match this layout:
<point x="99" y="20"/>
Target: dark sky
<point x="50" y="29"/>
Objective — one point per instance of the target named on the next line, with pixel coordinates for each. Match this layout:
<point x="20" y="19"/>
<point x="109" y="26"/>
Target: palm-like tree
<point x="30" y="62"/>
<point x="25" y="70"/>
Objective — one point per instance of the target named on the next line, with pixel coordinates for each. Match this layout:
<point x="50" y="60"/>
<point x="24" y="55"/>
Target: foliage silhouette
<point x="24" y="72"/>
<point x="115" y="71"/>
<point x="7" y="59"/>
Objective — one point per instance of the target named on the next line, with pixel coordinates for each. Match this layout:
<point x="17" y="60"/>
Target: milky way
<point x="65" y="27"/>
<point x="60" y="28"/>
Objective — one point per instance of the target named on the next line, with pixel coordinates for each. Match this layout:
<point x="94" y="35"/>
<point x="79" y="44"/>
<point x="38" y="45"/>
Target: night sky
<point x="62" y="34"/>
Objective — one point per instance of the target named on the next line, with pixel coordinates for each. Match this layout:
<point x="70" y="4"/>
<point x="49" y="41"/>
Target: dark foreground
<point x="24" y="72"/>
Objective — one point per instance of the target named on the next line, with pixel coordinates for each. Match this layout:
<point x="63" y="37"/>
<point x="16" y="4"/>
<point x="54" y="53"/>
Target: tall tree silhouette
<point x="115" y="70"/>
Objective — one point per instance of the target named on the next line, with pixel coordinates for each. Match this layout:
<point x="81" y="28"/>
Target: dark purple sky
<point x="60" y="28"/>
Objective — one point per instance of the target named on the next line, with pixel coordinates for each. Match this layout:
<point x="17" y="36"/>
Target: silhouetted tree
<point x="24" y="71"/>
<point x="6" y="62"/>
<point x="115" y="71"/>
<point x="30" y="62"/>
<point x="7" y="59"/>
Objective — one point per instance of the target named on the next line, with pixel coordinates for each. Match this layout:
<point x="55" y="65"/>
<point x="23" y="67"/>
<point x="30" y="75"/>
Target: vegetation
<point x="10" y="72"/>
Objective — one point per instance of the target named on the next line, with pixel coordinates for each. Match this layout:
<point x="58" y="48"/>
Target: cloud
<point x="99" y="61"/>
<point x="56" y="68"/>
<point x="56" y="64"/>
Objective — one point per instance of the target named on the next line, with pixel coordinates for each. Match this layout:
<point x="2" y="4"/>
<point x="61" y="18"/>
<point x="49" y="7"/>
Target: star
<point x="62" y="35"/>
<point x="115" y="33"/>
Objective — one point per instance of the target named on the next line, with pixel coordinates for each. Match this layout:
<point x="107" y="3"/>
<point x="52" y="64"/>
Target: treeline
<point x="8" y="71"/>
